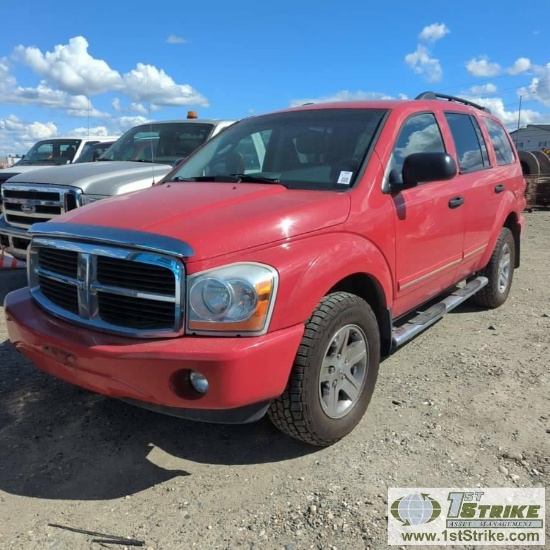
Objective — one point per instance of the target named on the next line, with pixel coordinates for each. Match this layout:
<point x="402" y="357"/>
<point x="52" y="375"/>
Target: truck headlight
<point x="237" y="298"/>
<point x="87" y="199"/>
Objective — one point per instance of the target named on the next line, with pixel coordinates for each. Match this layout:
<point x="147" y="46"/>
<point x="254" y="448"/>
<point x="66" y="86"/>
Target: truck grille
<point x="27" y="204"/>
<point x="119" y="290"/>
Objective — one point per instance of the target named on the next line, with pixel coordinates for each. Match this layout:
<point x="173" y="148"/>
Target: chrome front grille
<point x="27" y="204"/>
<point x="119" y="290"/>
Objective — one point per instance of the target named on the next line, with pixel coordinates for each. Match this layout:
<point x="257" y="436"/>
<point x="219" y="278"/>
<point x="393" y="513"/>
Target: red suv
<point x="273" y="269"/>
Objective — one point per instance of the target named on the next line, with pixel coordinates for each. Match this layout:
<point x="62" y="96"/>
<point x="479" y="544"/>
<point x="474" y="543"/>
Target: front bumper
<point x="244" y="374"/>
<point x="14" y="239"/>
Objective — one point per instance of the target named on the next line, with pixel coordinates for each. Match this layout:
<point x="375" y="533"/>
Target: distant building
<point x="533" y="137"/>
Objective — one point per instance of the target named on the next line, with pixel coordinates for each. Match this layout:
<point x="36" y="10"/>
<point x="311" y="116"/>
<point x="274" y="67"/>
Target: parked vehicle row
<point x="271" y="271"/>
<point x="137" y="160"/>
<point x="52" y="152"/>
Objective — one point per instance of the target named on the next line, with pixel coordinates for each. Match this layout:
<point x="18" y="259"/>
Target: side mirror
<point x="177" y="161"/>
<point x="426" y="167"/>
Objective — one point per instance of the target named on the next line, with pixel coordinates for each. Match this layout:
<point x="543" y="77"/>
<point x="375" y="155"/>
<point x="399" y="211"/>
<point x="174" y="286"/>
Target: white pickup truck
<point x="52" y="152"/>
<point x="138" y="159"/>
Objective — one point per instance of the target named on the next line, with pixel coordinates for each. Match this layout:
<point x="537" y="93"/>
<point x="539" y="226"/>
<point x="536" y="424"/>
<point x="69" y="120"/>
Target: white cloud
<point x="175" y="39"/>
<point x="95" y="131"/>
<point x="116" y="104"/>
<point x="520" y="66"/>
<point x="18" y="136"/>
<point x="343" y="95"/>
<point x="39" y="130"/>
<point x="488" y="88"/>
<point x="497" y="107"/>
<point x="138" y="108"/>
<point x="482" y="67"/>
<point x="539" y="88"/>
<point x="433" y="32"/>
<point x="422" y="63"/>
<point x="71" y="69"/>
<point x="147" y="83"/>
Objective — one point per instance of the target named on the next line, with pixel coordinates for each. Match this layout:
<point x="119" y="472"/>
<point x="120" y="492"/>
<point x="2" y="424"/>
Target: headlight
<point x="87" y="199"/>
<point x="237" y="298"/>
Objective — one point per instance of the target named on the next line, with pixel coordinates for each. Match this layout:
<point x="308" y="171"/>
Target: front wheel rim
<point x="504" y="268"/>
<point x="343" y="371"/>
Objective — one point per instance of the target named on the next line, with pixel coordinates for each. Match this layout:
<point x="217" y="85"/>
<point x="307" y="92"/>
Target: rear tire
<point x="499" y="271"/>
<point x="334" y="373"/>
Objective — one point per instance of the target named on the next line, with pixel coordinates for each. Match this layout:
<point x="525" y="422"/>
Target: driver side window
<point x="419" y="134"/>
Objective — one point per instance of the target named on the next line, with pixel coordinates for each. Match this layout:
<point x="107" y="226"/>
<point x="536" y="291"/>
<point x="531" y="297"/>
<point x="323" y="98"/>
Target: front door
<point x="429" y="221"/>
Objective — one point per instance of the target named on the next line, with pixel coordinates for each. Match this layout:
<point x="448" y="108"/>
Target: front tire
<point x="334" y="373"/>
<point x="499" y="271"/>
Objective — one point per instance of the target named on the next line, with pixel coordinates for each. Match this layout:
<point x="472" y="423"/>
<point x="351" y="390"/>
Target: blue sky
<point x="67" y="68"/>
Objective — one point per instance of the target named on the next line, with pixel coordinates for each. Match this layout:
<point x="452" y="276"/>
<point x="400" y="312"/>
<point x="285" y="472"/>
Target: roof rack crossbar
<point x="433" y="95"/>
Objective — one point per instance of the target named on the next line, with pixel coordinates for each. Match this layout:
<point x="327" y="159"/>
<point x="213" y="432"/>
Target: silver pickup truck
<point x="138" y="159"/>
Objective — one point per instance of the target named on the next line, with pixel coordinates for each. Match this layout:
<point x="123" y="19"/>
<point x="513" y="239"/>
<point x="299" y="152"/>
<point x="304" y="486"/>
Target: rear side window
<point x="500" y="141"/>
<point x="469" y="142"/>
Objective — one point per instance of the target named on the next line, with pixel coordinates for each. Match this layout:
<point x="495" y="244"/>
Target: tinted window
<point x="52" y="151"/>
<point x="472" y="153"/>
<point x="159" y="142"/>
<point x="419" y="134"/>
<point x="500" y="141"/>
<point x="92" y="151"/>
<point x="307" y="149"/>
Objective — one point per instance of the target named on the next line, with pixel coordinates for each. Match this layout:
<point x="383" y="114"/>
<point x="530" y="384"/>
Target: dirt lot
<point x="447" y="409"/>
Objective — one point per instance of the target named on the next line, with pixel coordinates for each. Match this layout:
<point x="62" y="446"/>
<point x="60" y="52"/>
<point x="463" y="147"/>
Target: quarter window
<point x="500" y="141"/>
<point x="470" y="145"/>
<point x="419" y="134"/>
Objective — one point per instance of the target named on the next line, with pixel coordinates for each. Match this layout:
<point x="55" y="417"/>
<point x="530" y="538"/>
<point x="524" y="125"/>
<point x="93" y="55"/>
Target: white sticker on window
<point x="345" y="178"/>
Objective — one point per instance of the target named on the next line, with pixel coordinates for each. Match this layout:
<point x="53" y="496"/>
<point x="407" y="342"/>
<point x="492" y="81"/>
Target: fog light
<point x="198" y="382"/>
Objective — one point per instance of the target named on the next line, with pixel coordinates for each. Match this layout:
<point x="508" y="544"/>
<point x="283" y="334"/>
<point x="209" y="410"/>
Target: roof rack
<point x="433" y="95"/>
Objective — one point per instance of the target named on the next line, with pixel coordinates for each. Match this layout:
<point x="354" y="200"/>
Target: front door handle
<point x="499" y="188"/>
<point x="456" y="202"/>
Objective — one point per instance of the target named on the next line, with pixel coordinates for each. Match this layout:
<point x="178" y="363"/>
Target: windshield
<point x="319" y="149"/>
<point x="159" y="142"/>
<point x="92" y="151"/>
<point x="51" y="151"/>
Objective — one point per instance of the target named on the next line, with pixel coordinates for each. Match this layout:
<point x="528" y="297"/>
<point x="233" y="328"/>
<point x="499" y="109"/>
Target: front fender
<point x="317" y="264"/>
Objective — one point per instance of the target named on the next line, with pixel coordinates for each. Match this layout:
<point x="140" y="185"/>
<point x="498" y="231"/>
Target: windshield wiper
<point x="256" y="179"/>
<point x="218" y="177"/>
<point x="232" y="178"/>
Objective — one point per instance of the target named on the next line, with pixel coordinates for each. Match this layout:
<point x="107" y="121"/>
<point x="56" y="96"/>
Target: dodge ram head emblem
<point x="28" y="208"/>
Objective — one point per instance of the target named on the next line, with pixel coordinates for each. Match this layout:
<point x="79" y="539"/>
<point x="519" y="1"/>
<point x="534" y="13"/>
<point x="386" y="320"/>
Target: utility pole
<point x="519" y="119"/>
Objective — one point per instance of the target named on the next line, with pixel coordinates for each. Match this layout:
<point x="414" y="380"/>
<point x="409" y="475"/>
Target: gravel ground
<point x="465" y="404"/>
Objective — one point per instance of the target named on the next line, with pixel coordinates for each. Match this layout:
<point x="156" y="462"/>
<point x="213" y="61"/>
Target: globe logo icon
<point x="415" y="509"/>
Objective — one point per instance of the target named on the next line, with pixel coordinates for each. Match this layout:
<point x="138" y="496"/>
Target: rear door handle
<point x="456" y="202"/>
<point x="499" y="188"/>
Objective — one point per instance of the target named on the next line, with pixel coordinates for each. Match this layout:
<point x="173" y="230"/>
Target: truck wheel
<point x="334" y="372"/>
<point x="499" y="271"/>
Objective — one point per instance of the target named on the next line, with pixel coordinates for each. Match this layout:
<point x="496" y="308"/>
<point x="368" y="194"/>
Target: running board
<point x="427" y="318"/>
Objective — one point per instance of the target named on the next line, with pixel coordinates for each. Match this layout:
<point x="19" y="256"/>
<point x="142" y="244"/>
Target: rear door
<point x="475" y="183"/>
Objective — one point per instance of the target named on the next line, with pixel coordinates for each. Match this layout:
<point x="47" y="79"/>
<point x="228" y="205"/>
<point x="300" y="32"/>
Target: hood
<point x="6" y="173"/>
<point x="100" y="178"/>
<point x="218" y="218"/>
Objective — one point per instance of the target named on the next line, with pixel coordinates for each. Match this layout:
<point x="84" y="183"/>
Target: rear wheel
<point x="334" y="373"/>
<point x="499" y="271"/>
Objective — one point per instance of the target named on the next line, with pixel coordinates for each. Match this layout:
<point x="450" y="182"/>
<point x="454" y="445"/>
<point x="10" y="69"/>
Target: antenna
<point x="150" y="122"/>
